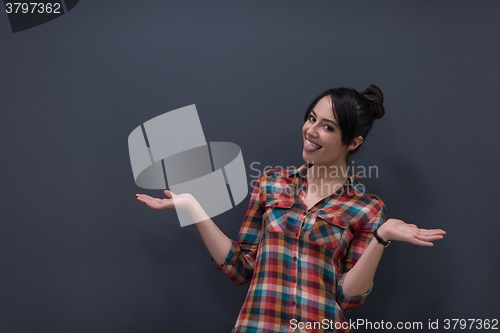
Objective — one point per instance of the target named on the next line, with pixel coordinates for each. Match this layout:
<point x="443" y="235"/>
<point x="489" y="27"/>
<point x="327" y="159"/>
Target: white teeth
<point x="312" y="144"/>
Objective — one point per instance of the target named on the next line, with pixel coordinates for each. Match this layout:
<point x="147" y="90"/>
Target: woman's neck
<point x="325" y="180"/>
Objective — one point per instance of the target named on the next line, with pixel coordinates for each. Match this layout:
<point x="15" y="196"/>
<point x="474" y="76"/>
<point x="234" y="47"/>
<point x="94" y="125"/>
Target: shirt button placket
<point x="295" y="258"/>
<point x="303" y="217"/>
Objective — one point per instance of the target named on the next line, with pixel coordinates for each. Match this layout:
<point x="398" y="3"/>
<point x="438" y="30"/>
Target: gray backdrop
<point x="79" y="254"/>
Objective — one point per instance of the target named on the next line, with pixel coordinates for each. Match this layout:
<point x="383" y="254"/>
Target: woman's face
<point x="321" y="130"/>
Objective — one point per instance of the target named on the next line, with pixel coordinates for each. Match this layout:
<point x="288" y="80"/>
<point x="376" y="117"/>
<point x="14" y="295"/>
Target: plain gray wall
<point x="79" y="254"/>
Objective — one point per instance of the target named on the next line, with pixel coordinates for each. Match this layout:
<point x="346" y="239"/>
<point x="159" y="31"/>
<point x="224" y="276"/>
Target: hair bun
<point x="374" y="95"/>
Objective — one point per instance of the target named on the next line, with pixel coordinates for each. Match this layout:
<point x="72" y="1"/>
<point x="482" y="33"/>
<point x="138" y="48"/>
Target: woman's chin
<point x="306" y="156"/>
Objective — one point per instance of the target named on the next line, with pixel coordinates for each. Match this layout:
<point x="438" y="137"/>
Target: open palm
<point x="398" y="230"/>
<point x="171" y="202"/>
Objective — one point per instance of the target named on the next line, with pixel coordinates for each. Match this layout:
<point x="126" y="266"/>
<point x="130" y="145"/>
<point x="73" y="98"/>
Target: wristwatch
<point x="380" y="240"/>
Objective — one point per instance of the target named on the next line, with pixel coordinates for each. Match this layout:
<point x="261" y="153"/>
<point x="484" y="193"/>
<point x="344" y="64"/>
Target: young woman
<point x="305" y="243"/>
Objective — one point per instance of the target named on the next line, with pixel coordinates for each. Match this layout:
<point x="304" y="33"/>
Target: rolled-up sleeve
<point x="239" y="262"/>
<point x="360" y="241"/>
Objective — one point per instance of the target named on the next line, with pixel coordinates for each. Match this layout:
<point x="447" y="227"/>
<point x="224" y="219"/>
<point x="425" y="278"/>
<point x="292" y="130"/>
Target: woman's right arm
<point x="236" y="258"/>
<point x="217" y="243"/>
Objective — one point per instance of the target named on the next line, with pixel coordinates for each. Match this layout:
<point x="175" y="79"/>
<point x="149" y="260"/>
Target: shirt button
<point x="297" y="234"/>
<point x="304" y="213"/>
<point x="294" y="303"/>
<point x="294" y="280"/>
<point x="295" y="258"/>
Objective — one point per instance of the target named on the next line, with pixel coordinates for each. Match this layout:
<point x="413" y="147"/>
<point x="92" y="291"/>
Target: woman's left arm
<point x="360" y="278"/>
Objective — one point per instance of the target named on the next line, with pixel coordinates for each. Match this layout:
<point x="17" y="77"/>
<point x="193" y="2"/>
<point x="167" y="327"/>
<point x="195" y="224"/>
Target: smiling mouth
<point x="311" y="146"/>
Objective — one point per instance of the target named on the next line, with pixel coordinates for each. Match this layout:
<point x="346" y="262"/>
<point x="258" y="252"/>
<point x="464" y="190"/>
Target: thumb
<point x="168" y="193"/>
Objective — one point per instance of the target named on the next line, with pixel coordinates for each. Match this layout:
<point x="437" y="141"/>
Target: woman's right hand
<point x="218" y="244"/>
<point x="173" y="201"/>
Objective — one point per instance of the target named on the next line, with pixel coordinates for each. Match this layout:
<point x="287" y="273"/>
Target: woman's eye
<point x="329" y="128"/>
<point x="311" y="118"/>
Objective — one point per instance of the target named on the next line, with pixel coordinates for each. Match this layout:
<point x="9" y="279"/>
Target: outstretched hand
<point x="397" y="230"/>
<point x="173" y="201"/>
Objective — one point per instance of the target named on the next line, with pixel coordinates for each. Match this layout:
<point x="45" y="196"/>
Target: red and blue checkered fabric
<point x="296" y="258"/>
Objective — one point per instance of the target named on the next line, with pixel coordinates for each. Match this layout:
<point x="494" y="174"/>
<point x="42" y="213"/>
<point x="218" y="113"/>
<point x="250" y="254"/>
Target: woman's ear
<point x="355" y="143"/>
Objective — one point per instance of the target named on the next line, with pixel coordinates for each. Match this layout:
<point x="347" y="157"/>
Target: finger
<point x="430" y="238"/>
<point x="141" y="196"/>
<point x="440" y="230"/>
<point x="152" y="202"/>
<point x="421" y="242"/>
<point x="143" y="199"/>
<point x="149" y="197"/>
<point x="432" y="232"/>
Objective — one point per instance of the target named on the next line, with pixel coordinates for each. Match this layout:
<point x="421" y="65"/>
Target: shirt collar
<point x="300" y="171"/>
<point x="352" y="179"/>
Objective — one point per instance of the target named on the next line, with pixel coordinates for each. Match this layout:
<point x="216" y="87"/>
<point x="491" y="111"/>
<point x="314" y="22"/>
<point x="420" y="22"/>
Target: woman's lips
<point x="311" y="146"/>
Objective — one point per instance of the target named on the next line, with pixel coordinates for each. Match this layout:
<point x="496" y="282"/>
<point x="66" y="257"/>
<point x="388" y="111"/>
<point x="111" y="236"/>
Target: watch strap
<point x="380" y="240"/>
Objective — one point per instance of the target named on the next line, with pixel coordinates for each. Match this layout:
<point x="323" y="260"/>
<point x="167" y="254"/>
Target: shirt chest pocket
<point x="276" y="215"/>
<point x="328" y="230"/>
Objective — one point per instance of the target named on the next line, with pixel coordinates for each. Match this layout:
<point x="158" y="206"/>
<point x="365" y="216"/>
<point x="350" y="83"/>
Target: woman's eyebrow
<point x="331" y="121"/>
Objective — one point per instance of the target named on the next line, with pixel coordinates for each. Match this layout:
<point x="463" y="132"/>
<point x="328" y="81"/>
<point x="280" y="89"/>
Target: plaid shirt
<point x="296" y="259"/>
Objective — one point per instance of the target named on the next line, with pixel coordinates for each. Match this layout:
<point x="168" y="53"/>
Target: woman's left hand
<point x="397" y="230"/>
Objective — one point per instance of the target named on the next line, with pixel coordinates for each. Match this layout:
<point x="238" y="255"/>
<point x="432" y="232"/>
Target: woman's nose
<point x="312" y="131"/>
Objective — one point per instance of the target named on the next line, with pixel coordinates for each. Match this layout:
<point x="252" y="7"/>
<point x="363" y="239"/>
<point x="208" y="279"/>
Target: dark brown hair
<point x="354" y="111"/>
